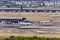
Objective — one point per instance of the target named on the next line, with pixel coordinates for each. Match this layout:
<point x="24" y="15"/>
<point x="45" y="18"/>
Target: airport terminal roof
<point x="29" y="0"/>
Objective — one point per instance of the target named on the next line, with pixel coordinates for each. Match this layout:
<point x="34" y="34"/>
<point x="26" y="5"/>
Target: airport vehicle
<point x="46" y="23"/>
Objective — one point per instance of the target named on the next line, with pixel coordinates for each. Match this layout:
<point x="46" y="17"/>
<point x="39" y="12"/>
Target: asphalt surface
<point x="55" y="28"/>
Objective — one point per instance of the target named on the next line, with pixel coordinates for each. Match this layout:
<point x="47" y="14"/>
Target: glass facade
<point x="29" y="3"/>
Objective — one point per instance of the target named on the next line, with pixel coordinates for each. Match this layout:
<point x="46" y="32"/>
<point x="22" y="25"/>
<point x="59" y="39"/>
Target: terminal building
<point x="29" y="5"/>
<point x="21" y="5"/>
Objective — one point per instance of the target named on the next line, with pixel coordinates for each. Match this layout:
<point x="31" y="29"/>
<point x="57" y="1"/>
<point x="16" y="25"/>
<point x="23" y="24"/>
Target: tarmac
<point x="30" y="29"/>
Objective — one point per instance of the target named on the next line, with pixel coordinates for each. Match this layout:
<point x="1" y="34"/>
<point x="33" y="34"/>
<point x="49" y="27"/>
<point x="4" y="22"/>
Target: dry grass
<point x="30" y="15"/>
<point x="28" y="35"/>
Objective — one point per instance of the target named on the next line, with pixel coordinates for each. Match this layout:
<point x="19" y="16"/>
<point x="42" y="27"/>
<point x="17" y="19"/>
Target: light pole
<point x="21" y="8"/>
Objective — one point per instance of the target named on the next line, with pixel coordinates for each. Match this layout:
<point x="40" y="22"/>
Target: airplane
<point x="41" y="32"/>
<point x="46" y="23"/>
<point x="25" y="23"/>
<point x="11" y="21"/>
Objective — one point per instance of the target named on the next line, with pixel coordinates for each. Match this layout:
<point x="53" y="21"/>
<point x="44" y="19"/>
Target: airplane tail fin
<point x="51" y="20"/>
<point x="35" y="30"/>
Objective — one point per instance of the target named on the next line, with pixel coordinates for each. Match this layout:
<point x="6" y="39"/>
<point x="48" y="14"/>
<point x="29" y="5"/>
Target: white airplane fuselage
<point x="25" y="23"/>
<point x="46" y="23"/>
<point x="42" y="32"/>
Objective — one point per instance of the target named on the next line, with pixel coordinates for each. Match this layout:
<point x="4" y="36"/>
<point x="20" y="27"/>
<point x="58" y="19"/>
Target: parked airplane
<point x="46" y="23"/>
<point x="25" y="23"/>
